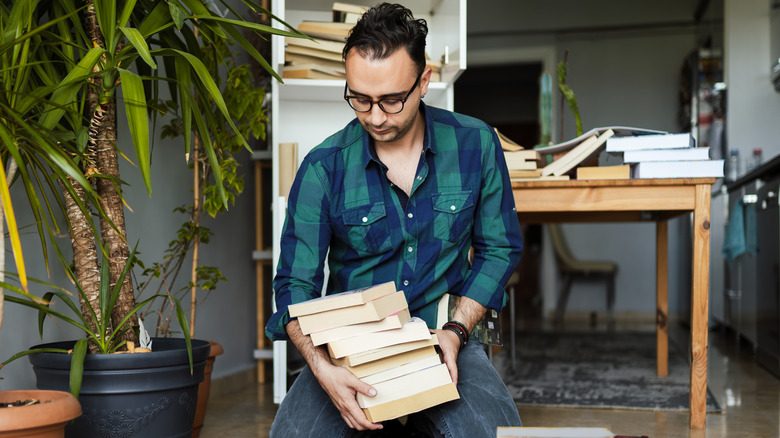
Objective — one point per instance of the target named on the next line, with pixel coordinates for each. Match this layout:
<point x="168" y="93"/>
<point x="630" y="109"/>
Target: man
<point x="401" y="194"/>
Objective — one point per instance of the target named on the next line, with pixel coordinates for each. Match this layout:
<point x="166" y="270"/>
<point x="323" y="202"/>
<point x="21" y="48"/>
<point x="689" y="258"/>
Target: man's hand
<point x="342" y="388"/>
<point x="340" y="385"/>
<point x="449" y="345"/>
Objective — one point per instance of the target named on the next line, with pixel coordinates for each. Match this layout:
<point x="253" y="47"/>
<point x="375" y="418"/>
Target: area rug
<point x="597" y="370"/>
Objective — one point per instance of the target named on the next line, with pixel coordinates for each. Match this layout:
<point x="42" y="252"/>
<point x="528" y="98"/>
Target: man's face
<point x="376" y="79"/>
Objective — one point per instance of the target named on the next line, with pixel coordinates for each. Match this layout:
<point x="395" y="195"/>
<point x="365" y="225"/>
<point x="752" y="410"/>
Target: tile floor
<point x="748" y="394"/>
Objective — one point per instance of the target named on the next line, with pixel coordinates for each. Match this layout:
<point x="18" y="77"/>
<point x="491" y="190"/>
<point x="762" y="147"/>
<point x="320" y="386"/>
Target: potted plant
<point x="64" y="138"/>
<point x="246" y="101"/>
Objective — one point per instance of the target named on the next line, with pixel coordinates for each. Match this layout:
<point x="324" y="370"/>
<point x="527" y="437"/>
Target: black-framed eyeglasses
<point x="391" y="105"/>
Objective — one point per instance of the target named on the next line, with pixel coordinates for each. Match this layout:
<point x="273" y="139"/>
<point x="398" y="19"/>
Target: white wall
<point x="753" y="104"/>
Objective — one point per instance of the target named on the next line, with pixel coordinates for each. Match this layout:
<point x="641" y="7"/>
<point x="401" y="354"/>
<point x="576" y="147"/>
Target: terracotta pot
<point x="204" y="388"/>
<point x="44" y="420"/>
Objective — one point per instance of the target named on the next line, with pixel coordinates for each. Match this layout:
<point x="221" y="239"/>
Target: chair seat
<point x="590" y="266"/>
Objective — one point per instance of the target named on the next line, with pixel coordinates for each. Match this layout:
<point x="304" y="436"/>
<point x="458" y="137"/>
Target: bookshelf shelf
<point x="306" y="111"/>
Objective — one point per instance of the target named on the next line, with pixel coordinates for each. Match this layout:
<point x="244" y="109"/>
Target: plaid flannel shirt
<point x="342" y="201"/>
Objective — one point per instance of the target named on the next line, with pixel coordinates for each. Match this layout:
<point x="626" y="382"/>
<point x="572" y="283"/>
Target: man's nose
<point x="377" y="116"/>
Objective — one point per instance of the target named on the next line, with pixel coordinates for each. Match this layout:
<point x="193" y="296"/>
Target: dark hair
<point x="386" y="28"/>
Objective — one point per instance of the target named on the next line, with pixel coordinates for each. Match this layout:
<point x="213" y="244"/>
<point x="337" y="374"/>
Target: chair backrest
<point x="562" y="251"/>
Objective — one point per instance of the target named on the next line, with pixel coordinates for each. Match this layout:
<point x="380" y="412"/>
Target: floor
<point x="748" y="394"/>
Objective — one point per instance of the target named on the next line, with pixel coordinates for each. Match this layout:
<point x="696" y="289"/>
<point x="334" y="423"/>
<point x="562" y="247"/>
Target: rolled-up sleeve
<point x="303" y="247"/>
<point x="497" y="240"/>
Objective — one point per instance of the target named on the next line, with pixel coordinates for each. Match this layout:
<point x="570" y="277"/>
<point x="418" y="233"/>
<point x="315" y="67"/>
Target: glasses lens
<point x="359" y="104"/>
<point x="391" y="106"/>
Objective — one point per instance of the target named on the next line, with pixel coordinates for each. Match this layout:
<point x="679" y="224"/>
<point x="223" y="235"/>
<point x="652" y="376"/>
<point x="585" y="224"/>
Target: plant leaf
<point x="77" y="366"/>
<point x="137" y="40"/>
<point x="135" y="107"/>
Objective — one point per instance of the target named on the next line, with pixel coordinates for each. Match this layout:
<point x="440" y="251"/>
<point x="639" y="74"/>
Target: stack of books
<point x="321" y="57"/>
<point x="665" y="156"/>
<point x="522" y="163"/>
<point x="371" y="333"/>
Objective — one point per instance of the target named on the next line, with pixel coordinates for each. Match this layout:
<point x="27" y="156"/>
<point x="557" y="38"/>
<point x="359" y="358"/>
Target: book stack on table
<point x="665" y="156"/>
<point x="370" y="332"/>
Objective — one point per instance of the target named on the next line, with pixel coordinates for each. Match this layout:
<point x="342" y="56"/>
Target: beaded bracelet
<point x="459" y="329"/>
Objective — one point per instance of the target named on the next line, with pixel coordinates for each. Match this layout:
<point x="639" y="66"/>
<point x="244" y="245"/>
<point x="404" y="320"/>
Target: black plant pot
<point x="130" y="395"/>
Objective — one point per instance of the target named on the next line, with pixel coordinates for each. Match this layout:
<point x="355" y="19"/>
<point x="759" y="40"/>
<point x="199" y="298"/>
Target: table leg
<point x="700" y="307"/>
<point x="662" y="297"/>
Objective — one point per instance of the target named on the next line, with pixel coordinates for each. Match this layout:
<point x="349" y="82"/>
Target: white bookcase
<point x="306" y="111"/>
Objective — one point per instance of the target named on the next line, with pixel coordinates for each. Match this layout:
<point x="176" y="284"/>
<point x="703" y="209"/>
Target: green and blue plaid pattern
<point x="342" y="201"/>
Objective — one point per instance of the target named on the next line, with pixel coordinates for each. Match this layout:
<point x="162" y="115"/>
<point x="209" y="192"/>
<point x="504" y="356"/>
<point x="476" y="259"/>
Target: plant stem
<point x="196" y="221"/>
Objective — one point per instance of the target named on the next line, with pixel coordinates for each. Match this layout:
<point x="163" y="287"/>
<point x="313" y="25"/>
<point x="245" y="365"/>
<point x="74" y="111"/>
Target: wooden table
<point x="633" y="200"/>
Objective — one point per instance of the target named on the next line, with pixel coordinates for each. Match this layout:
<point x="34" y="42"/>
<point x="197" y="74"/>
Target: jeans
<point x="484" y="404"/>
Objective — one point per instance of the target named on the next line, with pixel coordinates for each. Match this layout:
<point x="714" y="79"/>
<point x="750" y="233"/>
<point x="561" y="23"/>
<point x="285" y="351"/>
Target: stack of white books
<point x="665" y="156"/>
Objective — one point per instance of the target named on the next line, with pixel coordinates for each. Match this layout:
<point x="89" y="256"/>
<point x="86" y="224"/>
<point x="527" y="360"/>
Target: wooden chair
<point x="572" y="268"/>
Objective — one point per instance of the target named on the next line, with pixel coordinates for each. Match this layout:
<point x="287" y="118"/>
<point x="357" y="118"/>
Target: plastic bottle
<point x="755" y="160"/>
<point x="732" y="166"/>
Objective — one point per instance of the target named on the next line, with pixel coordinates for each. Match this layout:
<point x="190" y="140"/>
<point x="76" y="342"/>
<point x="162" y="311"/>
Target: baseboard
<point x="233" y="382"/>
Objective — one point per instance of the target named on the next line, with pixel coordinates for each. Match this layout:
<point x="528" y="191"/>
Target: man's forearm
<point x="316" y="357"/>
<point x="469" y="312"/>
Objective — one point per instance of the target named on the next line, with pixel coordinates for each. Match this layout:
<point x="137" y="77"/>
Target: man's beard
<point x="393" y="133"/>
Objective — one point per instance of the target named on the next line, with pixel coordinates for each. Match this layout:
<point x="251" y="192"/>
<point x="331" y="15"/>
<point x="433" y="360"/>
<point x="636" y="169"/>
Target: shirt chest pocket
<point x="453" y="214"/>
<point x="367" y="228"/>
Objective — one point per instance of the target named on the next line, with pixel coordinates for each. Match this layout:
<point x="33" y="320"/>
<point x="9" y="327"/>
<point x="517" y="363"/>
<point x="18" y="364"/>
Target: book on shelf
<point x="400" y="370"/>
<point x="685" y="154"/>
<point x="622" y="171"/>
<point x="371" y="311"/>
<point x="344" y="299"/>
<point x="310" y="71"/>
<point x="298" y="59"/>
<point x="335" y="47"/>
<point x="347" y="12"/>
<point x="653" y="141"/>
<point x="288" y="166"/>
<point x="678" y="169"/>
<point x="394" y="321"/>
<point x="328" y="30"/>
<point x="354" y="360"/>
<point x="413" y="330"/>
<point x="581" y="154"/>
<point x="314" y="52"/>
<point x="388" y="363"/>
<point x="506" y="143"/>
<point x="410" y="392"/>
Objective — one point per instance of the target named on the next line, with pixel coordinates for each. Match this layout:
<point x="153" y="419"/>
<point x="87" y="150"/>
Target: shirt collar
<point x="429" y="141"/>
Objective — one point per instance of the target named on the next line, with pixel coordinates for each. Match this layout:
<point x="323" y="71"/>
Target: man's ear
<point x="425" y="79"/>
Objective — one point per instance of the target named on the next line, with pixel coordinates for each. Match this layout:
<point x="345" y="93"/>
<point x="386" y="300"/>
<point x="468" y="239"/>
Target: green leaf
<point x="105" y="11"/>
<point x="127" y="10"/>
<point x="177" y="14"/>
<point x="77" y="366"/>
<point x="184" y="327"/>
<point x="137" y="40"/>
<point x="183" y="74"/>
<point x="135" y="107"/>
<point x="68" y="88"/>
